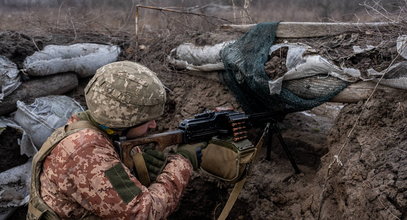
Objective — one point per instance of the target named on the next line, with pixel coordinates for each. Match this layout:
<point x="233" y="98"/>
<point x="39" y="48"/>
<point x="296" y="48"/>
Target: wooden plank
<point x="314" y="29"/>
<point x="360" y="91"/>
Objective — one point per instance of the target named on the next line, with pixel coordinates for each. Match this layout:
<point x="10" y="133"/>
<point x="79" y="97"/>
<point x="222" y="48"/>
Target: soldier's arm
<point x="106" y="187"/>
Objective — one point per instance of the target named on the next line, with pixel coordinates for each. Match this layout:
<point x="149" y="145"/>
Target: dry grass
<point x="111" y="20"/>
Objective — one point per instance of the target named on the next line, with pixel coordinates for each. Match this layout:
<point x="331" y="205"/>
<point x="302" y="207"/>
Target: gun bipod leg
<point x="269" y="142"/>
<point x="276" y="130"/>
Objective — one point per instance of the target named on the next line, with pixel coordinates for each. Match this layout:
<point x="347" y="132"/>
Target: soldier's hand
<point x="192" y="152"/>
<point x="155" y="162"/>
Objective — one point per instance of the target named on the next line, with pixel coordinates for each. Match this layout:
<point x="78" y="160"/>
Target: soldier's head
<point x="124" y="95"/>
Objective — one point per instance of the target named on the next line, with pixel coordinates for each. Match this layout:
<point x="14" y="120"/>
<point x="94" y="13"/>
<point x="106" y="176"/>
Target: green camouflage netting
<point x="245" y="75"/>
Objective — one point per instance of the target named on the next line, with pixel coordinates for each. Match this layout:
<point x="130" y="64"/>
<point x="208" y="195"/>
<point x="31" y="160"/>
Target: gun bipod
<point x="276" y="130"/>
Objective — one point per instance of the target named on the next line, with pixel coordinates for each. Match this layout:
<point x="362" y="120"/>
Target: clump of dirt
<point x="189" y="95"/>
<point x="17" y="46"/>
<point x="10" y="149"/>
<point x="275" y="67"/>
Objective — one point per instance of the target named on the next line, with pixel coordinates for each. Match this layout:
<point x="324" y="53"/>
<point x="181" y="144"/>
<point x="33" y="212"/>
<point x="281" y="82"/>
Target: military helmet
<point x="124" y="94"/>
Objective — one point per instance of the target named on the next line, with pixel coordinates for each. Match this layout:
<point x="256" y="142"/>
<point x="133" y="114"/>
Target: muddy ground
<point x="371" y="183"/>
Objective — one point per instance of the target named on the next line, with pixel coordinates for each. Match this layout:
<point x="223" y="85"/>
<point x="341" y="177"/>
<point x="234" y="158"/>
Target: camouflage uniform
<point x="74" y="181"/>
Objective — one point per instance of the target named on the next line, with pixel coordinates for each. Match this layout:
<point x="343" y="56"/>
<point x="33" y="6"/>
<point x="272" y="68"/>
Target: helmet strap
<point x="108" y="130"/>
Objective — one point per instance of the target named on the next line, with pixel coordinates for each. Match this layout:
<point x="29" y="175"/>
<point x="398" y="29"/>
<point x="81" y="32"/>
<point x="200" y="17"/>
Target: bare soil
<point x="371" y="183"/>
<point x="10" y="149"/>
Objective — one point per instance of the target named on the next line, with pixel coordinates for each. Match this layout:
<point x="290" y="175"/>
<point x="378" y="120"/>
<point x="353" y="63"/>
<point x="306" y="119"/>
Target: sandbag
<point x="9" y="78"/>
<point x="49" y="85"/>
<point x="15" y="181"/>
<point x="395" y="76"/>
<point x="83" y="59"/>
<point x="197" y="58"/>
<point x="44" y="115"/>
<point x="14" y="188"/>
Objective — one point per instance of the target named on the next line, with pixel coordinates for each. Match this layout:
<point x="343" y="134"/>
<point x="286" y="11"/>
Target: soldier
<point x="78" y="172"/>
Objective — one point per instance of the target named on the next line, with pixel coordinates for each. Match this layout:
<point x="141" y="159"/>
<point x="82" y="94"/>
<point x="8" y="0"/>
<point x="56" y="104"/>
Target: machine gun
<point x="203" y="127"/>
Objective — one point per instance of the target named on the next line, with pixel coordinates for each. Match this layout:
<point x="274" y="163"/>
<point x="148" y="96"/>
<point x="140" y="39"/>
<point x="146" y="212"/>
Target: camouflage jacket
<point x="83" y="175"/>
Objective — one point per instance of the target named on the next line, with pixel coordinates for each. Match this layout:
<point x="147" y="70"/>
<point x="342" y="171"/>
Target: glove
<point x="192" y="152"/>
<point x="155" y="162"/>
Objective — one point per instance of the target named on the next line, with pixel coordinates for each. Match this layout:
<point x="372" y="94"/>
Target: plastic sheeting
<point x="402" y="46"/>
<point x="9" y="78"/>
<point x="44" y="115"/>
<point x="84" y="59"/>
<point x="14" y="188"/>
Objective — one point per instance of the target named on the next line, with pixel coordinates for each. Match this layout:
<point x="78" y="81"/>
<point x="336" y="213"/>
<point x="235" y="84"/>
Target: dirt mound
<point x="372" y="182"/>
<point x="17" y="46"/>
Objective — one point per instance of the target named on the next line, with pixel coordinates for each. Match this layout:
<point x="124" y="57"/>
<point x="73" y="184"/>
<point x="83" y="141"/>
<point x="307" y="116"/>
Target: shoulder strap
<point x="37" y="208"/>
<point x="141" y="169"/>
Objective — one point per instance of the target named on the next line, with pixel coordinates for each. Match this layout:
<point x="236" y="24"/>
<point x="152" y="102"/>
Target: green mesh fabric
<point x="246" y="77"/>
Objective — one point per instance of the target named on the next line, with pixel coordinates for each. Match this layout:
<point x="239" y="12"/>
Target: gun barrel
<point x="264" y="117"/>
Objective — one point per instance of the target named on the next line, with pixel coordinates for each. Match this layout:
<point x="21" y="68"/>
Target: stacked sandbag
<point x="9" y="78"/>
<point x="287" y="75"/>
<point x="14" y="189"/>
<point x="21" y="137"/>
<point x="83" y="59"/>
<point x="52" y="71"/>
<point x="15" y="166"/>
<point x="44" y="115"/>
<point x="56" y="84"/>
<point x="197" y="58"/>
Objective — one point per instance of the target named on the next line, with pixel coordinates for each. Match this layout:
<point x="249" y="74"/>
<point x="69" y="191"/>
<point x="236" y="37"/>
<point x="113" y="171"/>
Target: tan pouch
<point x="226" y="159"/>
